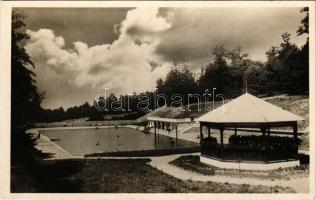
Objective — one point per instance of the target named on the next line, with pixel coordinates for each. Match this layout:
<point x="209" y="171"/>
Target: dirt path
<point x="299" y="185"/>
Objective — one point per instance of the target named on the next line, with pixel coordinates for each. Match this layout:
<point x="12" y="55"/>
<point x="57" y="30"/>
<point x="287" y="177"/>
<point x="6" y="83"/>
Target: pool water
<point x="79" y="142"/>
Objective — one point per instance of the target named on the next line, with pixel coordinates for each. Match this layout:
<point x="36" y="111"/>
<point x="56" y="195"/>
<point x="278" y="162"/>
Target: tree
<point x="304" y="54"/>
<point x="26" y="99"/>
<point x="216" y="73"/>
<point x="304" y="27"/>
<point x="238" y="63"/>
<point x="287" y="68"/>
<point x="255" y="78"/>
<point x="179" y="80"/>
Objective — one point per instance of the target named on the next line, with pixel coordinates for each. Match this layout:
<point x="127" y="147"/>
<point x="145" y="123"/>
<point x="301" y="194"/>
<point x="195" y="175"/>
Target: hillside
<point x="296" y="104"/>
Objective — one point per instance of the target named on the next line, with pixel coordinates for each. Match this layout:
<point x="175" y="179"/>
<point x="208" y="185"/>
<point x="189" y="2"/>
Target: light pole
<point x="213" y="97"/>
<point x="117" y="141"/>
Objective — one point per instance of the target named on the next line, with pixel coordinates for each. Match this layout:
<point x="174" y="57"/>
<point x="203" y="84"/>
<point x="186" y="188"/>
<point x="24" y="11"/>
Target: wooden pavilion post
<point x="208" y="131"/>
<point x="235" y="131"/>
<point x="222" y="137"/>
<point x="263" y="130"/>
<point x="176" y="134"/>
<point x="222" y="141"/>
<point x="155" y="126"/>
<point x="159" y="127"/>
<point x="201" y="133"/>
<point x="268" y="131"/>
<point x="295" y="130"/>
<point x="295" y="137"/>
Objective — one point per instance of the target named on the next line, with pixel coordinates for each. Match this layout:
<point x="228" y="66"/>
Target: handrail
<point x="271" y="131"/>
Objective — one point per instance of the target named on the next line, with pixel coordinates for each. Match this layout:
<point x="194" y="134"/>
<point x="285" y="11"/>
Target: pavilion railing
<point x="244" y="151"/>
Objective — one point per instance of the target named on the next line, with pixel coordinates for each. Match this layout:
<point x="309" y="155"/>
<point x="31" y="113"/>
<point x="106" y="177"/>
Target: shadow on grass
<point x="57" y="177"/>
<point x="31" y="172"/>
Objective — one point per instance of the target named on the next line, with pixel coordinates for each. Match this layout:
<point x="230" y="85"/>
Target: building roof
<point x="171" y="120"/>
<point x="248" y="109"/>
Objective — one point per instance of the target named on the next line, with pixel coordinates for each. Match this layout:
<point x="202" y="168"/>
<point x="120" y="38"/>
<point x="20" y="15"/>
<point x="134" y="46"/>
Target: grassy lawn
<point x="126" y="175"/>
<point x="22" y="180"/>
<point x="193" y="163"/>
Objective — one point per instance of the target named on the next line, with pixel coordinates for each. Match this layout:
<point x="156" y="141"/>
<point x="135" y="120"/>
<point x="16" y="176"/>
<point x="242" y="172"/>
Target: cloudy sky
<point x="80" y="51"/>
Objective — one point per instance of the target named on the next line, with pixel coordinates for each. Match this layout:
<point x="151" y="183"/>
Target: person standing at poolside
<point x="38" y="135"/>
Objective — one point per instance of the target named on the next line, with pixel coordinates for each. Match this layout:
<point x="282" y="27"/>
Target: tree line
<point x="286" y="70"/>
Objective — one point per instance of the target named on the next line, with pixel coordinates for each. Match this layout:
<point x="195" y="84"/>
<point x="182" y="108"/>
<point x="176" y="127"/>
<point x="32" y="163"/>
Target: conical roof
<point x="248" y="109"/>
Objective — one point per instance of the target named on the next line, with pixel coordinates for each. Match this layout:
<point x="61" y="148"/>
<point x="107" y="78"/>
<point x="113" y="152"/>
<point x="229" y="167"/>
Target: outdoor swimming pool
<point x="79" y="142"/>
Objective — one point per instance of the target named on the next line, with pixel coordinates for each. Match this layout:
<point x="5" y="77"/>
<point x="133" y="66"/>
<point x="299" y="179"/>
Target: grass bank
<point x="122" y="175"/>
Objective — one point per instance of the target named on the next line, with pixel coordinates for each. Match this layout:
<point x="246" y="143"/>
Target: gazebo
<point x="261" y="152"/>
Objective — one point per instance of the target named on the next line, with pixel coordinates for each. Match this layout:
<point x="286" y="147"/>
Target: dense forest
<point x="285" y="71"/>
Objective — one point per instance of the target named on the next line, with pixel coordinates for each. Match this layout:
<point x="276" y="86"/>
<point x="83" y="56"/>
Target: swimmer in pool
<point x="97" y="143"/>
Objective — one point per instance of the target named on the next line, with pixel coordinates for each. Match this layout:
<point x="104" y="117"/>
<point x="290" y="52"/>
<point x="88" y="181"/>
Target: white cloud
<point x="142" y="21"/>
<point x="121" y="66"/>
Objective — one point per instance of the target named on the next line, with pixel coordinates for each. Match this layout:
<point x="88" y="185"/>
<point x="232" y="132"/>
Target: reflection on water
<point x="88" y="141"/>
